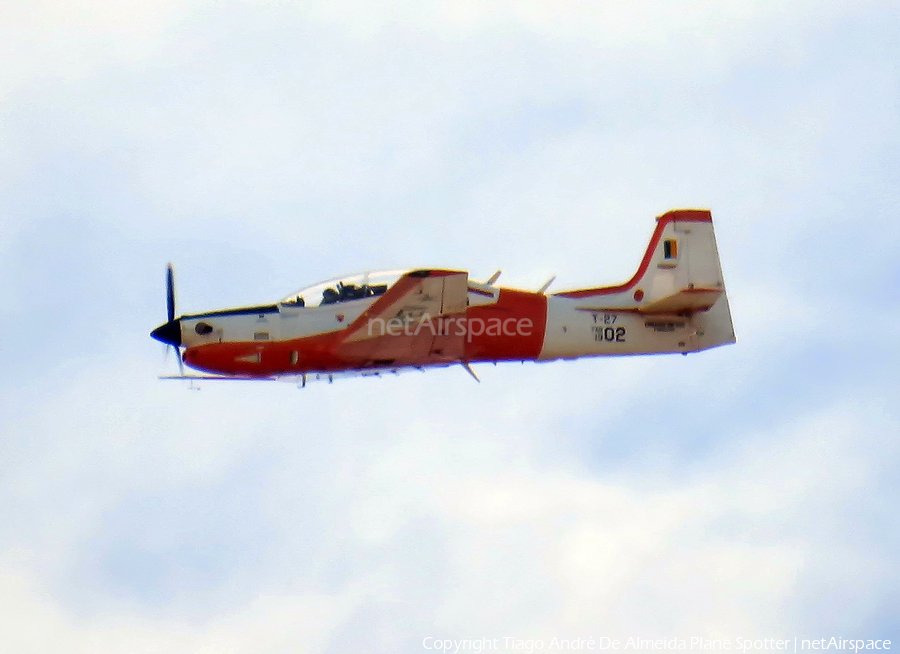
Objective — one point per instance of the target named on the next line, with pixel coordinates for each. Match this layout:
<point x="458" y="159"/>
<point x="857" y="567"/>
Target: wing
<point x="419" y="320"/>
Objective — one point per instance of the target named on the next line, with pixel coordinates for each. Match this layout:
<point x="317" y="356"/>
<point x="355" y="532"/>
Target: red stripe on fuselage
<point x="510" y="329"/>
<point x="314" y="353"/>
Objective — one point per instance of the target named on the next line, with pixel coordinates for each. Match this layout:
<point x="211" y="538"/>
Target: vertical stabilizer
<point x="679" y="275"/>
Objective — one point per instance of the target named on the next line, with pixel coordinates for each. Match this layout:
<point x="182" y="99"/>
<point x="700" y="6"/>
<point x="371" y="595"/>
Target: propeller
<point x="169" y="347"/>
<point x="170" y="332"/>
<point x="170" y="292"/>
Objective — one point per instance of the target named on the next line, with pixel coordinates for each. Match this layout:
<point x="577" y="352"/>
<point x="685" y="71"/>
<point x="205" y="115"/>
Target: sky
<point x="745" y="492"/>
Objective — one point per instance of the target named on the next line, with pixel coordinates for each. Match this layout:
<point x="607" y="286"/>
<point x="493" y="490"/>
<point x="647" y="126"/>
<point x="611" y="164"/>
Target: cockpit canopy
<point x="344" y="289"/>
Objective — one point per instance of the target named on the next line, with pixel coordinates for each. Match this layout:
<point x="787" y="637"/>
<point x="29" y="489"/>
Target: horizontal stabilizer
<point x="687" y="300"/>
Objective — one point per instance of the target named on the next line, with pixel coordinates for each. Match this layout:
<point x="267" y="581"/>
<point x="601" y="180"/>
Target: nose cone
<point x="169" y="333"/>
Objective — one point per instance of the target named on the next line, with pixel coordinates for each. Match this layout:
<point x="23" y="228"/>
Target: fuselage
<point x="675" y="302"/>
<point x="498" y="325"/>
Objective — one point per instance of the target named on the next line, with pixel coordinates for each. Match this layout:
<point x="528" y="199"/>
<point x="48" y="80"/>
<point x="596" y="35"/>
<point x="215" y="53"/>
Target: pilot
<point x="330" y="296"/>
<point x="348" y="292"/>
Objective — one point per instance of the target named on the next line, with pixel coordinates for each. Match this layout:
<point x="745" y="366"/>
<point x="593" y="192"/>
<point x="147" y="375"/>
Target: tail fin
<point x="680" y="274"/>
<point x="684" y="277"/>
<point x="681" y="270"/>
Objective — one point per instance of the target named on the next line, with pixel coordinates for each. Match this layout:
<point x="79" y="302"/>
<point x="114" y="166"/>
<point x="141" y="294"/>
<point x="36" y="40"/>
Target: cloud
<point x="261" y="146"/>
<point x="437" y="518"/>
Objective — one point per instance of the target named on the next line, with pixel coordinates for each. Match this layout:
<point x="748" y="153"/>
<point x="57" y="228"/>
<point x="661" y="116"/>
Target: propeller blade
<point x="180" y="360"/>
<point x="170" y="292"/>
<point x="170" y="331"/>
